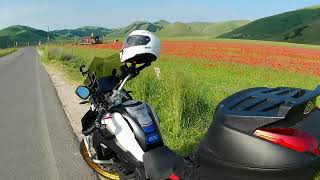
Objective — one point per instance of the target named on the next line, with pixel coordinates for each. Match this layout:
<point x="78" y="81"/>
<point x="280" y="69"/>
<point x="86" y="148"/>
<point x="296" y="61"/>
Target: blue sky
<point x="60" y="14"/>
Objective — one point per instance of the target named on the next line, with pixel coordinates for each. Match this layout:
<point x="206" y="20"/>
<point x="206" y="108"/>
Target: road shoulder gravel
<point x="69" y="100"/>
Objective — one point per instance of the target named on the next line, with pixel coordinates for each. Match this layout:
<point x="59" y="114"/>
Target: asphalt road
<point x="36" y="140"/>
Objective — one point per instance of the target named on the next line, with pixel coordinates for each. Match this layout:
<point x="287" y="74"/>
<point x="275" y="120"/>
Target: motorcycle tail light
<point x="291" y="138"/>
<point x="173" y="176"/>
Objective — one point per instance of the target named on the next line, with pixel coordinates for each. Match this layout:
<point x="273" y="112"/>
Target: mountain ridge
<point x="24" y="34"/>
<point x="167" y="29"/>
<point x="82" y="31"/>
<point x="298" y="26"/>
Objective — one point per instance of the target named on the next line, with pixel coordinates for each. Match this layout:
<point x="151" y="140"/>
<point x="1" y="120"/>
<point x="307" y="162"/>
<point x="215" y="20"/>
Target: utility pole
<point x="48" y="40"/>
<point x="73" y="44"/>
<point x="48" y="36"/>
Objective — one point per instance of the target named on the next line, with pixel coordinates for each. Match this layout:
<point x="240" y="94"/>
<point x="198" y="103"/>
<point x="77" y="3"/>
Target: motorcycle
<point x="117" y="129"/>
<point x="258" y="133"/>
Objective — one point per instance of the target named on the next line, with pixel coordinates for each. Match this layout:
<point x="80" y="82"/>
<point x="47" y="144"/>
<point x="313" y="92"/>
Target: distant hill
<point x="299" y="26"/>
<point x="139" y="25"/>
<point x="200" y="28"/>
<point x="178" y="29"/>
<point x="162" y="22"/>
<point x="166" y="29"/>
<point x="23" y="35"/>
<point x="83" y="31"/>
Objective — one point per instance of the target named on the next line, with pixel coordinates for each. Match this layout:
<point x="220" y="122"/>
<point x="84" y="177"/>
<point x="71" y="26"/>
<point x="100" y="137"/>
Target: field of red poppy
<point x="302" y="60"/>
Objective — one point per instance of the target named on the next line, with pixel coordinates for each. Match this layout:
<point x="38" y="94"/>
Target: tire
<point x="97" y="168"/>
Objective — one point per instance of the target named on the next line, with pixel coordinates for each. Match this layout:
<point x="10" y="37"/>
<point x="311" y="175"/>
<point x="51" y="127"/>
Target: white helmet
<point x="140" y="46"/>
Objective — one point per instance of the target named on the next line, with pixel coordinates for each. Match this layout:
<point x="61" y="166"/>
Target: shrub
<point x="54" y="53"/>
<point x="67" y="57"/>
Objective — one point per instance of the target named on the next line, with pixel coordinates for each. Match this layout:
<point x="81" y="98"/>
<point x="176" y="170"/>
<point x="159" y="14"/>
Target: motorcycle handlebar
<point x="124" y="82"/>
<point x="127" y="74"/>
<point x="96" y="124"/>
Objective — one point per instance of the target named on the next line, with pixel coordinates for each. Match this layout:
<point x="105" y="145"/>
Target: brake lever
<point x="84" y="102"/>
<point x="84" y="73"/>
<point x="81" y="68"/>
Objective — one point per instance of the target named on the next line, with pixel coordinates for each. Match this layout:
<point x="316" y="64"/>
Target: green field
<point x="4" y="52"/>
<point x="187" y="87"/>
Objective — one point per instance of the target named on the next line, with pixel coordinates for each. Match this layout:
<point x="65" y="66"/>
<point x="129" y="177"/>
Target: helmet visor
<point x="136" y="40"/>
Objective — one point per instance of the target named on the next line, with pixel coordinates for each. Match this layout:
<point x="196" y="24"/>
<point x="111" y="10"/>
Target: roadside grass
<point x="68" y="60"/>
<point x="4" y="52"/>
<point x="187" y="92"/>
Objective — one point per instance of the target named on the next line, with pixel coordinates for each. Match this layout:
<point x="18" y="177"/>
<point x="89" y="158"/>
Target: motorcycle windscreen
<point x="106" y="69"/>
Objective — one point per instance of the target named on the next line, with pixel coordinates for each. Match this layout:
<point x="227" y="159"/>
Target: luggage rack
<point x="256" y="107"/>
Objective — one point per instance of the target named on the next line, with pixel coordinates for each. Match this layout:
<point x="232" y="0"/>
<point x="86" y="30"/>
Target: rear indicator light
<point x="173" y="176"/>
<point x="291" y="138"/>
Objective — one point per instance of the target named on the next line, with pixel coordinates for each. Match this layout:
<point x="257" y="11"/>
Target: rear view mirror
<point x="83" y="92"/>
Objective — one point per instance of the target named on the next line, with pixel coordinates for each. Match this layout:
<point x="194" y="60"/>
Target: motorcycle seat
<point x="159" y="163"/>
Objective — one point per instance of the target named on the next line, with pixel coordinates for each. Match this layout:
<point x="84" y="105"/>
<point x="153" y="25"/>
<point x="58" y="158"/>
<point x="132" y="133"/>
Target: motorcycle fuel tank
<point x="263" y="133"/>
<point x="141" y="124"/>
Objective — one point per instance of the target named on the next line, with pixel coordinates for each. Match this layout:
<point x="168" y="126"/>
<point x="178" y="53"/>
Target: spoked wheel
<point x="96" y="167"/>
